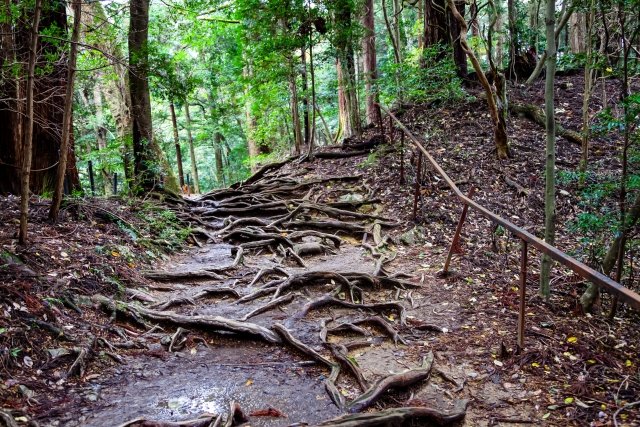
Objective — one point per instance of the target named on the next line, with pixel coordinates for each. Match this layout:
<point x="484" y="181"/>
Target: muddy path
<point x="299" y="305"/>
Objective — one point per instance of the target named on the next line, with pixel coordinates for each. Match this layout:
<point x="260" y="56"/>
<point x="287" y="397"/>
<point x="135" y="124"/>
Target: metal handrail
<point x="624" y="294"/>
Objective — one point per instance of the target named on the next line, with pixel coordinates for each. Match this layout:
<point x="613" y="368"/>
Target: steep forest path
<point x="300" y="307"/>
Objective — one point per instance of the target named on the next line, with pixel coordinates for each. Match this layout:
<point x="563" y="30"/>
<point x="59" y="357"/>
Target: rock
<point x="413" y="236"/>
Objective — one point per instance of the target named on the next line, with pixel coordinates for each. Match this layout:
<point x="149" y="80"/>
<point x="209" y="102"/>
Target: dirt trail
<point x="312" y="255"/>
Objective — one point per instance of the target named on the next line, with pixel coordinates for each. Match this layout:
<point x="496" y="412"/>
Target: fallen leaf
<point x="269" y="412"/>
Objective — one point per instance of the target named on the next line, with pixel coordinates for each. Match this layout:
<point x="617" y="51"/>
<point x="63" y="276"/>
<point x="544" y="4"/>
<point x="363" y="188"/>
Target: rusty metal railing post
<point x="456" y="236"/>
<point x="401" y="158"/>
<point x="523" y="292"/>
<point x="390" y="130"/>
<point x="416" y="195"/>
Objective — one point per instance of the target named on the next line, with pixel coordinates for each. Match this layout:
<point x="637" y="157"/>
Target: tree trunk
<point x="295" y="112"/>
<point x="435" y="27"/>
<point x="67" y="126"/>
<point x="495" y="109"/>
<point x="146" y="153"/>
<point x="305" y="97"/>
<point x="176" y="142"/>
<point x="369" y="62"/>
<point x="345" y="68"/>
<point x="192" y="152"/>
<point x="578" y="39"/>
<point x="28" y="132"/>
<point x="550" y="183"/>
<point x="514" y="37"/>
<point x="219" y="162"/>
<point x="48" y="98"/>
<point x="459" y="56"/>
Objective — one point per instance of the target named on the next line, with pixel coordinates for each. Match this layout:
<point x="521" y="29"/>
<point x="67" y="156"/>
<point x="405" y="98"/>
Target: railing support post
<point x="401" y="158"/>
<point x="381" y="125"/>
<point x="523" y="292"/>
<point x="456" y="235"/>
<point x="417" y="191"/>
<point x="91" y="182"/>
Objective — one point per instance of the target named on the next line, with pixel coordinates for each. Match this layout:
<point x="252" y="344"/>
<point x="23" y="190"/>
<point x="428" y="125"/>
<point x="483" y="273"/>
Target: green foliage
<point x="434" y="81"/>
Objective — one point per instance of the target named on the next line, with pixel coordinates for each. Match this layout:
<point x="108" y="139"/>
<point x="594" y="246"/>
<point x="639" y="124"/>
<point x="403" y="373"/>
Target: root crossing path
<point x="293" y="309"/>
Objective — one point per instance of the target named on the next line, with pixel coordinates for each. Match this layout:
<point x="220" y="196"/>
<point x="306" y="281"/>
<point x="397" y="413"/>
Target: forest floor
<point x="307" y="292"/>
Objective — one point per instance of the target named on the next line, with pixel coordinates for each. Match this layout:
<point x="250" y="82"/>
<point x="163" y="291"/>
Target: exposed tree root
<point x="340" y="353"/>
<point x="166" y="276"/>
<point x="211" y="323"/>
<point x="330" y="386"/>
<point x="203" y="421"/>
<point x="404" y="379"/>
<point x="236" y="415"/>
<point x="338" y="154"/>
<point x="271" y="304"/>
<point x="309" y="278"/>
<point x="384" y="325"/>
<point x="265" y="272"/>
<point x="399" y="416"/>
<point x="191" y="299"/>
<point x="79" y="365"/>
<point x="330" y="300"/>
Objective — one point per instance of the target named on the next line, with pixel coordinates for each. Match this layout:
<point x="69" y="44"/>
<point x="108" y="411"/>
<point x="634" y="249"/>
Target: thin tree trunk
<point x="219" y="160"/>
<point x="514" y="42"/>
<point x="550" y="180"/>
<point x="28" y="132"/>
<point x="68" y="111"/>
<point x="176" y="141"/>
<point x="295" y="112"/>
<point x="192" y="152"/>
<point x="305" y="96"/>
<point x="543" y="58"/>
<point x="369" y="59"/>
<point x="101" y="138"/>
<point x="588" y="90"/>
<point x="497" y="118"/>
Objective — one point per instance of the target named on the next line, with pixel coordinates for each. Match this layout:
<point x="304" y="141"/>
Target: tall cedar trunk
<point x="49" y="93"/>
<point x="305" y="97"/>
<point x="295" y="111"/>
<point x="68" y="111"/>
<point x="589" y="77"/>
<point x="219" y="163"/>
<point x="577" y="33"/>
<point x="397" y="27"/>
<point x="473" y="11"/>
<point x="345" y="68"/>
<point x="176" y="141"/>
<point x="115" y="88"/>
<point x="495" y="109"/>
<point x="146" y="153"/>
<point x="28" y="132"/>
<point x="192" y="151"/>
<point x="369" y="63"/>
<point x="459" y="56"/>
<point x="550" y="179"/>
<point x="435" y="27"/>
<point x="514" y="42"/>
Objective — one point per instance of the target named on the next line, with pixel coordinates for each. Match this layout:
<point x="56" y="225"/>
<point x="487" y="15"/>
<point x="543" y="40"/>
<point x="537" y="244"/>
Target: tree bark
<point x="146" y="153"/>
<point x="295" y="111"/>
<point x="345" y="68"/>
<point x="176" y="142"/>
<point x="550" y="180"/>
<point x="305" y="97"/>
<point x="49" y="91"/>
<point x="192" y="152"/>
<point x="369" y="61"/>
<point x="219" y="160"/>
<point x="67" y="126"/>
<point x="28" y="132"/>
